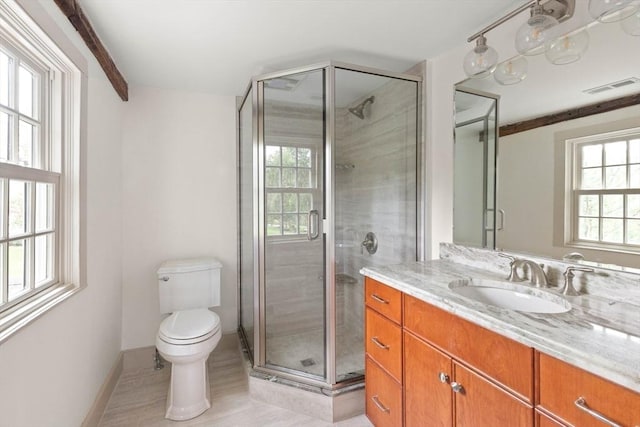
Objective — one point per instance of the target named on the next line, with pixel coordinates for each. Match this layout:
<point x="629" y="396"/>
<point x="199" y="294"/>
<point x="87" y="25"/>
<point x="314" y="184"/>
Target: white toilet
<point x="187" y="337"/>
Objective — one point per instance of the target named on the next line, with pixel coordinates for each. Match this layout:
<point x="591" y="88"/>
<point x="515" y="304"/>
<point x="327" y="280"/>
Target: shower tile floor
<point x="140" y="396"/>
<point x="305" y="352"/>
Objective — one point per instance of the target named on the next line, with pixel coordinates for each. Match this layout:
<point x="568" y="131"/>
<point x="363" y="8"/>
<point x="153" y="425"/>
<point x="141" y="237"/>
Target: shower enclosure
<point x="329" y="167"/>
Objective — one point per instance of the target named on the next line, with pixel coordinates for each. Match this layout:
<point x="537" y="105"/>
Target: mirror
<point x="530" y="165"/>
<point x="474" y="219"/>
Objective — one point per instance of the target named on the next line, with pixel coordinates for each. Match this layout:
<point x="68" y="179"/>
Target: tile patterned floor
<point x="140" y="396"/>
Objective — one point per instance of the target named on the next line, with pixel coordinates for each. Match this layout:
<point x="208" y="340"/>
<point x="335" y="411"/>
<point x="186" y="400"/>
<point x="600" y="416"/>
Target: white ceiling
<point x="217" y="45"/>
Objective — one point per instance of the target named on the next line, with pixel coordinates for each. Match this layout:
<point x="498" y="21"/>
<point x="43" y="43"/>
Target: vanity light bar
<point x="611" y="86"/>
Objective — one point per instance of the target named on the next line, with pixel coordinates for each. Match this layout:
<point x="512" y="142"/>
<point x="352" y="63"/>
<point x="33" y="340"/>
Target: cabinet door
<point x="544" y="421"/>
<point x="481" y="403"/>
<point x="427" y="399"/>
<point x="383" y="396"/>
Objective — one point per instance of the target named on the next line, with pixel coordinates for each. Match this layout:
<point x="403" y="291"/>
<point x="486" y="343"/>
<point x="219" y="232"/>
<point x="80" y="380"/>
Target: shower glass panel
<point x="375" y="191"/>
<point x="247" y="161"/>
<point x="329" y="165"/>
<point x="293" y="153"/>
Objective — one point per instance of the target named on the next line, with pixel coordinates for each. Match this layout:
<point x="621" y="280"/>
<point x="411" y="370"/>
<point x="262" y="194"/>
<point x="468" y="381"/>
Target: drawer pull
<point x="379" y="344"/>
<point x="457" y="387"/>
<point x="444" y="378"/>
<point x="581" y="403"/>
<point x="379" y="404"/>
<point x="380" y="300"/>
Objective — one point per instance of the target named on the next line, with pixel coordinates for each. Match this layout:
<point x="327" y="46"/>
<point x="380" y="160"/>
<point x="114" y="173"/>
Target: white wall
<point x="51" y="370"/>
<point x="179" y="198"/>
<point x="524" y="189"/>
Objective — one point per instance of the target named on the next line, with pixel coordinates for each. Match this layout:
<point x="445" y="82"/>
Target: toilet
<point x="190" y="333"/>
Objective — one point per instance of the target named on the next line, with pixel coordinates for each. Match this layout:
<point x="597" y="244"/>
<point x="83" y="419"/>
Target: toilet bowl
<point x="185" y="339"/>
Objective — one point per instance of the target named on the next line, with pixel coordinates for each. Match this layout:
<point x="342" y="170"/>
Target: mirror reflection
<point x="557" y="195"/>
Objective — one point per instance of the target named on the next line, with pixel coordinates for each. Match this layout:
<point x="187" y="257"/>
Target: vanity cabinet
<point x="450" y="381"/>
<point x="427" y="367"/>
<point x="561" y="385"/>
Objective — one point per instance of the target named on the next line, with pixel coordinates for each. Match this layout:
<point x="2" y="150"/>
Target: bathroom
<point x="143" y="207"/>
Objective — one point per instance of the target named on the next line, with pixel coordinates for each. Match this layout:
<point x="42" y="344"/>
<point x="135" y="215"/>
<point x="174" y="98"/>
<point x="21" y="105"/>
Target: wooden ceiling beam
<point x="81" y="23"/>
<point x="574" y="113"/>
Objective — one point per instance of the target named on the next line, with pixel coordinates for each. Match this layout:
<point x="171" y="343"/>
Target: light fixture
<point x="532" y="35"/>
<point x="631" y="25"/>
<point x="511" y="71"/>
<point x="481" y="61"/>
<point x="567" y="48"/>
<point x="612" y="10"/>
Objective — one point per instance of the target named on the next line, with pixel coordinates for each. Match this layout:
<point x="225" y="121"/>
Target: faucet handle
<point x="568" y="288"/>
<point x="513" y="274"/>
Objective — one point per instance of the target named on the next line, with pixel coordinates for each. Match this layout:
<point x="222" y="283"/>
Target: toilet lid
<point x="186" y="326"/>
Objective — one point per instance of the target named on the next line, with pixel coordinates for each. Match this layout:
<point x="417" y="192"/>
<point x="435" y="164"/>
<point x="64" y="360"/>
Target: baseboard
<point x="104" y="394"/>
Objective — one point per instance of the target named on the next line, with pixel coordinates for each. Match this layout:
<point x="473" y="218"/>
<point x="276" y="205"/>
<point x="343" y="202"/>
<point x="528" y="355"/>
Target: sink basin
<point x="510" y="295"/>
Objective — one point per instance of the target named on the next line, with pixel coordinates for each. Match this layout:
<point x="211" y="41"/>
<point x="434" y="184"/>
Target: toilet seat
<point x="188" y="327"/>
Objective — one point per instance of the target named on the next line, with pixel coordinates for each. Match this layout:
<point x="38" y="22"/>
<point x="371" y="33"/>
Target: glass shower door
<point x="293" y="208"/>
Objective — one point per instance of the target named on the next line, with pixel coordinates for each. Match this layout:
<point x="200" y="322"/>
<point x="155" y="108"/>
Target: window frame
<point x="573" y="191"/>
<point x="312" y="189"/>
<point x="63" y="91"/>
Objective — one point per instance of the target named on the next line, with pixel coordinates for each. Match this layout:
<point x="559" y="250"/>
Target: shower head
<point x="358" y="110"/>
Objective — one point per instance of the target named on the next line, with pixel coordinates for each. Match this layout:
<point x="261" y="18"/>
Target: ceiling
<point x="217" y="45"/>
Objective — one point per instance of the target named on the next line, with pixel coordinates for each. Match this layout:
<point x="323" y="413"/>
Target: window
<point x="40" y="233"/>
<point x="606" y="190"/>
<point x="289" y="183"/>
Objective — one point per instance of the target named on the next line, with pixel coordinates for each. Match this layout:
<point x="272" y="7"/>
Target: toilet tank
<point x="189" y="283"/>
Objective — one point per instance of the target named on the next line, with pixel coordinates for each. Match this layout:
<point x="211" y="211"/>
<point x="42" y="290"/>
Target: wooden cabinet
<point x="441" y="391"/>
<point x="383" y="359"/>
<point x="427" y="367"/>
<point x="561" y="385"/>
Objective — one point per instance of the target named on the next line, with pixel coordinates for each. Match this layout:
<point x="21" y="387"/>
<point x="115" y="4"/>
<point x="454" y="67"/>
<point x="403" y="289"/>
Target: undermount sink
<point x="510" y="295"/>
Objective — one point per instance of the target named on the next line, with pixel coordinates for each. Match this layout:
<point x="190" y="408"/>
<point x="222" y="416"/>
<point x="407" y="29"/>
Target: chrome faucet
<point x="538" y="276"/>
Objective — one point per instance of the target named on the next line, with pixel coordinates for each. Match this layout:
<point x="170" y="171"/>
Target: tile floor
<point x="140" y="396"/>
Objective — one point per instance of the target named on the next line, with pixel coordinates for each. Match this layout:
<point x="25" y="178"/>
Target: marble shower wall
<point x="375" y="186"/>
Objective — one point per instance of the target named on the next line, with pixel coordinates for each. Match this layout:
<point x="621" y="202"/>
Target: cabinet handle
<point x="581" y="403"/>
<point x="380" y="300"/>
<point x="457" y="387"/>
<point x="379" y="344"/>
<point x="444" y="378"/>
<point x="380" y="405"/>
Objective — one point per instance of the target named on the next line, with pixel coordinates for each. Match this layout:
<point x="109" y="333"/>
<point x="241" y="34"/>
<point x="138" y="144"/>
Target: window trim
<point x="66" y="127"/>
<point x="313" y="189"/>
<point x="572" y="180"/>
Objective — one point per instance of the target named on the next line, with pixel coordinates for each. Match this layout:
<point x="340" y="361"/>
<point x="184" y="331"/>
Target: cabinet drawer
<point x="481" y="403"/>
<point x="561" y="384"/>
<point x="509" y="363"/>
<point x="384" y="396"/>
<point x="384" y="299"/>
<point x="384" y="343"/>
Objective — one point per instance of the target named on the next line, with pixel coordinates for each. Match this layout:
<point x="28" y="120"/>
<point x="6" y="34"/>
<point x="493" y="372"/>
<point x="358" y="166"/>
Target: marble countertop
<point x="598" y="335"/>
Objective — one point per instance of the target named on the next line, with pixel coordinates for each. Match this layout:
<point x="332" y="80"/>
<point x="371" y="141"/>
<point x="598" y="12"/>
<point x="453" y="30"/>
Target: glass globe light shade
<point x="481" y="61"/>
<point x="533" y="34"/>
<point x="567" y="48"/>
<point x="511" y="71"/>
<point x="612" y="10"/>
<point x="631" y="25"/>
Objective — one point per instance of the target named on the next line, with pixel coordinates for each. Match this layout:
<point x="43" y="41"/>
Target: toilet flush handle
<point x="165" y="278"/>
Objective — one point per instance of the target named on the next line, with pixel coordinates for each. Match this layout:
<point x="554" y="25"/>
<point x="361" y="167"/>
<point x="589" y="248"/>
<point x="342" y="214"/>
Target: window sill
<point x="604" y="248"/>
<point x="20" y="316"/>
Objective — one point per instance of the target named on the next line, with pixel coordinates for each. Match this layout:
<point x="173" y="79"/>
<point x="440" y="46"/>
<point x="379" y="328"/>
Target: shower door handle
<point x="313" y="219"/>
